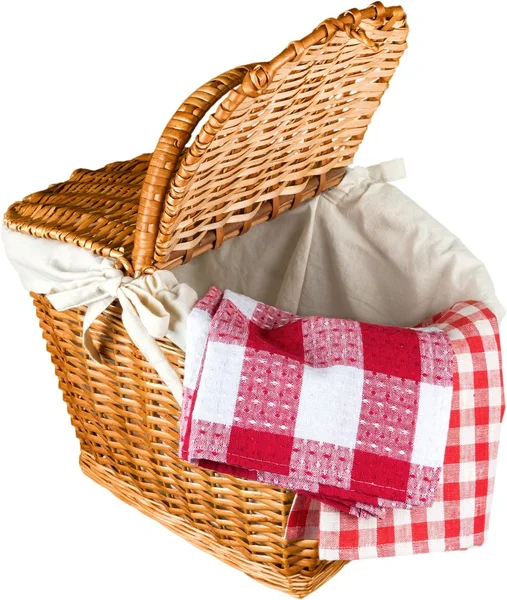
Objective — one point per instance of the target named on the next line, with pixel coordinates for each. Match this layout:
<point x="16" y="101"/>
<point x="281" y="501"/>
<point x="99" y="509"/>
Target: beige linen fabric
<point x="361" y="250"/>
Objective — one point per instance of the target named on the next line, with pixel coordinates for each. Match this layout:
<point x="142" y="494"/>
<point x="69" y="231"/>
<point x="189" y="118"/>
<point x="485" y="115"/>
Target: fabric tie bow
<point x="153" y="306"/>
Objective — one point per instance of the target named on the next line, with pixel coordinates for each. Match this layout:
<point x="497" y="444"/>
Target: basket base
<point x="298" y="586"/>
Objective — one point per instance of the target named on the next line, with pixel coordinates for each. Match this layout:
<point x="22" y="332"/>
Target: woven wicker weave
<point x="284" y="131"/>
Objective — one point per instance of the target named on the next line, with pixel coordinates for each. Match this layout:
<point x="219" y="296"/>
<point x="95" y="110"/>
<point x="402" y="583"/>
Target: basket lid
<point x="283" y="131"/>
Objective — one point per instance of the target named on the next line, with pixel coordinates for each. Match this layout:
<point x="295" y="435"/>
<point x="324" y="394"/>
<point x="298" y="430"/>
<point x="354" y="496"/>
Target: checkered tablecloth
<point x="458" y="519"/>
<point x="353" y="414"/>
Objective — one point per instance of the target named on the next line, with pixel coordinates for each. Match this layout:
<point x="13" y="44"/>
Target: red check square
<point x="385" y="535"/>
<point x="286" y="340"/>
<point x="260" y="450"/>
<point x="482" y="451"/>
<point x="481" y="487"/>
<point x="481" y="415"/>
<point x="370" y="472"/>
<point x="391" y="350"/>
<point x="419" y="532"/>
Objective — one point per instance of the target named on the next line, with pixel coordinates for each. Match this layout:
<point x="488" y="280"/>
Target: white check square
<point x="467" y="508"/>
<point x="246" y="305"/>
<point x="465" y="364"/>
<point x="367" y="551"/>
<point x="467" y="435"/>
<point x="404" y="548"/>
<point x="319" y="417"/>
<point x="484" y="327"/>
<point x="329" y="520"/>
<point x="468" y="310"/>
<point x="492" y="360"/>
<point x="436" y="544"/>
<point x="218" y="390"/>
<point x="432" y="425"/>
<point x="198" y="325"/>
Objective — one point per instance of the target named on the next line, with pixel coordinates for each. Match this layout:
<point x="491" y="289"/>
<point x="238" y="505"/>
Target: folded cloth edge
<point x="210" y="308"/>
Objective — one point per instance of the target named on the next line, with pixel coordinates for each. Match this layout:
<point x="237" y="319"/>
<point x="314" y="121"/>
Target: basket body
<point x="128" y="428"/>
<point x="159" y="210"/>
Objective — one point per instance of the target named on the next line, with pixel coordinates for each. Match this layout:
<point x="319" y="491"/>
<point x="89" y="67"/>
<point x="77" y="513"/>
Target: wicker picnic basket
<point x="283" y="132"/>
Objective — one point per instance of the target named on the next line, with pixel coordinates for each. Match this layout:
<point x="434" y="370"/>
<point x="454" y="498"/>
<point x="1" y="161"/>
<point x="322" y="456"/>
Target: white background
<point x="86" y="83"/>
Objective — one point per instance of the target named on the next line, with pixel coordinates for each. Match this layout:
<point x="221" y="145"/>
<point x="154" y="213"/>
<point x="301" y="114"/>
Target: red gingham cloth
<point x="350" y="413"/>
<point x="459" y="517"/>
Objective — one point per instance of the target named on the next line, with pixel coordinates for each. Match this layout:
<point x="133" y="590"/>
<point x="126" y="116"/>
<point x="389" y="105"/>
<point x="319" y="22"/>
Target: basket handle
<point x="165" y="159"/>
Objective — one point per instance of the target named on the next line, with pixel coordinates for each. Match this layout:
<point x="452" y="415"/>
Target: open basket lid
<point x="284" y="131"/>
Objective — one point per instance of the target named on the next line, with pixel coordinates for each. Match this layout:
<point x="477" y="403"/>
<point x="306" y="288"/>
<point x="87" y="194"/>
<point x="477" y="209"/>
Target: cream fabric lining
<point x="361" y="250"/>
